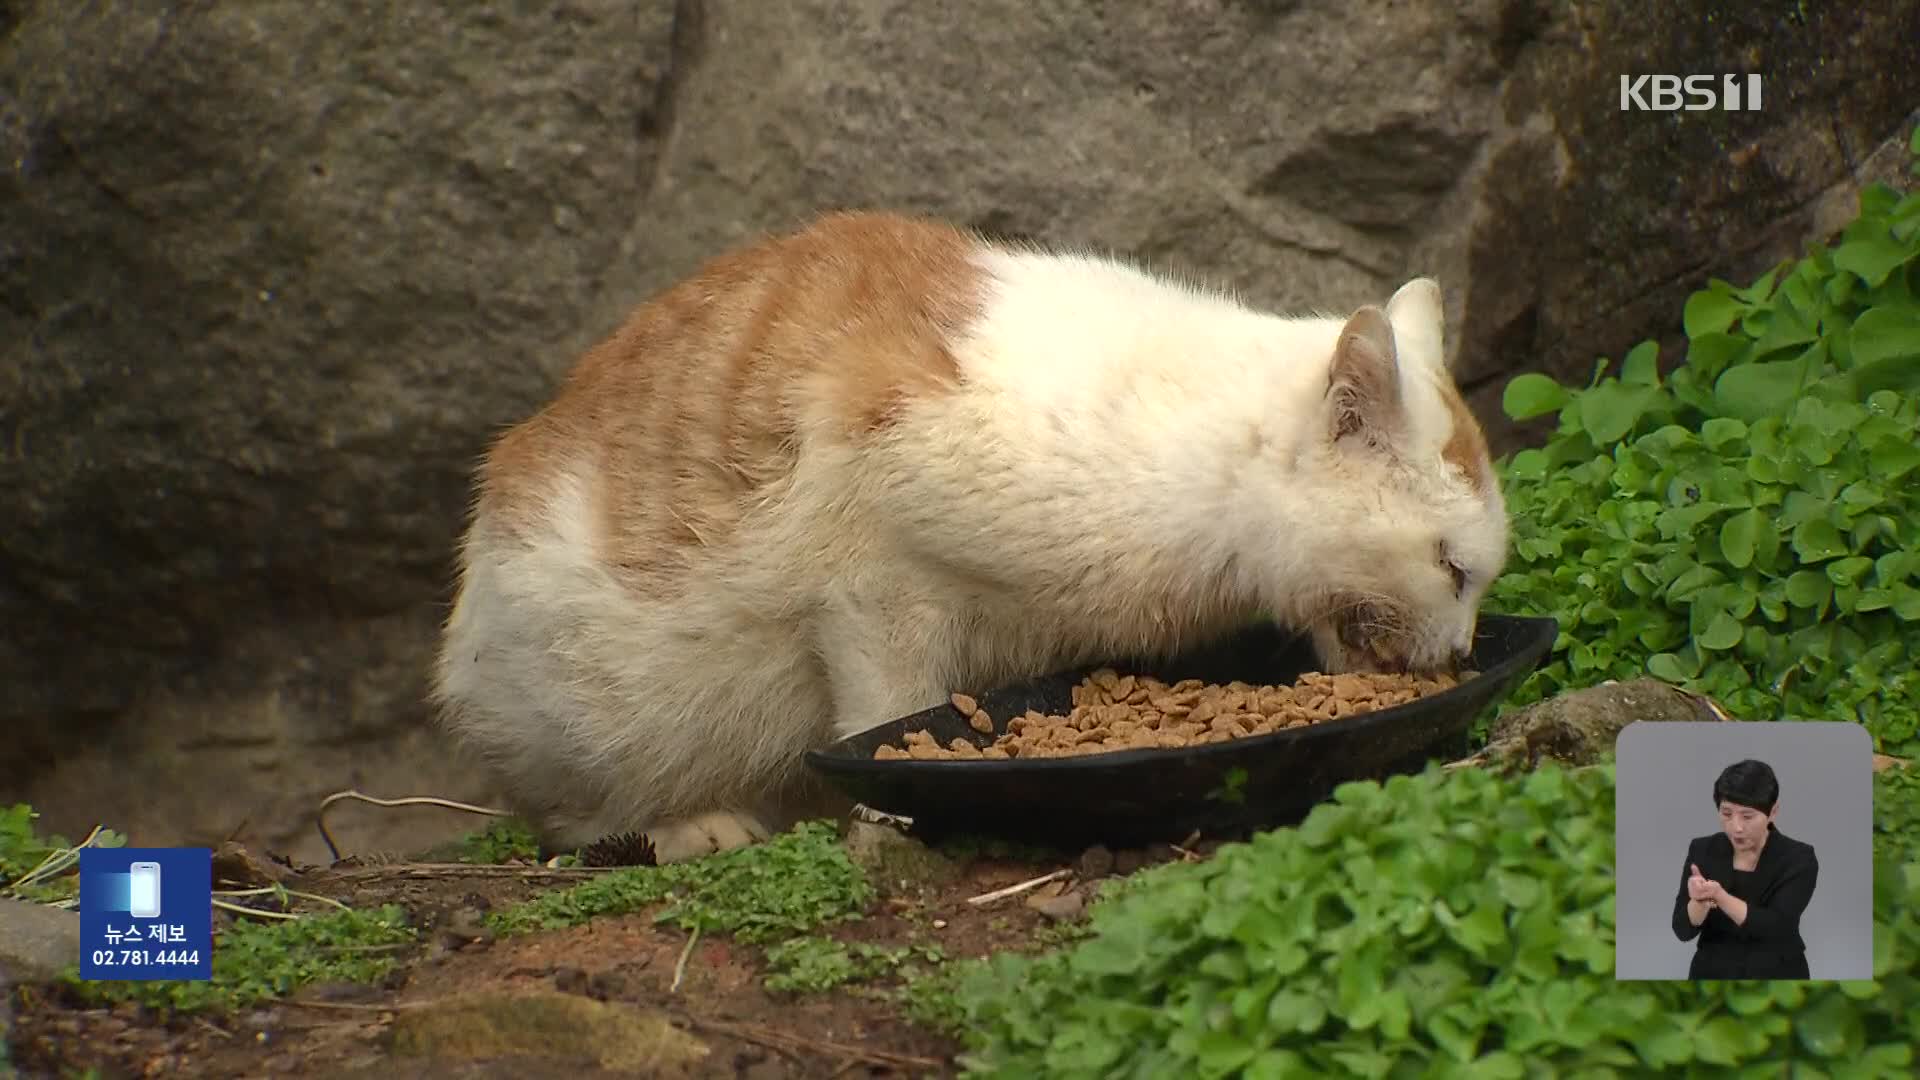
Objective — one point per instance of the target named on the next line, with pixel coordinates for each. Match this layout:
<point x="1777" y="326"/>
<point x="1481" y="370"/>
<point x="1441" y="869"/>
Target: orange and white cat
<point x="836" y="475"/>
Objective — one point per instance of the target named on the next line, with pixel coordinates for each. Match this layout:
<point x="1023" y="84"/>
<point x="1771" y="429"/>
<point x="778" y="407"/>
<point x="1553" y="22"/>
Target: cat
<point x="842" y="472"/>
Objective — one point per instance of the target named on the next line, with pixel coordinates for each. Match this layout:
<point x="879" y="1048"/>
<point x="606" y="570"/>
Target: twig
<point x="1465" y="762"/>
<point x="423" y="869"/>
<point x="1486" y="754"/>
<point x="1705" y="707"/>
<point x="1186" y="854"/>
<point x="55" y="863"/>
<point x="283" y="891"/>
<point x="680" y="968"/>
<point x="863" y="812"/>
<point x="1015" y="890"/>
<point x="797" y="1044"/>
<point x="262" y="913"/>
<point x="356" y="1006"/>
<point x="411" y="800"/>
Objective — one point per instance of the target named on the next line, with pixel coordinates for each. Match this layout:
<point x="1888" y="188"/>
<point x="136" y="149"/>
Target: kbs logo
<point x="1694" y="93"/>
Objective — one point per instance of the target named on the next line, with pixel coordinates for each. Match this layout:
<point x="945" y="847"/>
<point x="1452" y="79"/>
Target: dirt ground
<point x="614" y="970"/>
<point x="615" y="975"/>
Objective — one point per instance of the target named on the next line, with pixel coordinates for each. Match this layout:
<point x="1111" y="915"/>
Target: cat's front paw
<point x="705" y="834"/>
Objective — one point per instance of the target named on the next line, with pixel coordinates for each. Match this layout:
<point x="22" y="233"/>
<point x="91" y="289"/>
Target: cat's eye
<point x="1459" y="577"/>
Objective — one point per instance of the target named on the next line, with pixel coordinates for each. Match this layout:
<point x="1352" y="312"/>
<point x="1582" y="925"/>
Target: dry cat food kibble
<point x="1129" y="712"/>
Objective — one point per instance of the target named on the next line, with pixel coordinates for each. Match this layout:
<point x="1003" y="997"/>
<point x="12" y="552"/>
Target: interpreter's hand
<point x="1699" y="888"/>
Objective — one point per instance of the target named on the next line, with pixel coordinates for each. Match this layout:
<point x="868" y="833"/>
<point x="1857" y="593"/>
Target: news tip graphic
<point x="146" y="913"/>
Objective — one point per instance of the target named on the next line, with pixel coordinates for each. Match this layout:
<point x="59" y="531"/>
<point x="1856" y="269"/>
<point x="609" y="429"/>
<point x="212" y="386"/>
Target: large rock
<point x="272" y="273"/>
<point x="247" y="744"/>
<point x="1301" y="152"/>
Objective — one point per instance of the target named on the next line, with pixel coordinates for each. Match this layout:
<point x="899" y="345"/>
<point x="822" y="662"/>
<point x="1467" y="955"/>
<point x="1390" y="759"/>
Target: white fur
<point x="1130" y="465"/>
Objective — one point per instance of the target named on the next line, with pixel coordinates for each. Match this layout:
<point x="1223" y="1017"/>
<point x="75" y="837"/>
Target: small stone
<point x="1061" y="908"/>
<point x="234" y="864"/>
<point x="1096" y="862"/>
<point x="338" y="991"/>
<point x="603" y="985"/>
<point x="37" y="941"/>
<point x="464" y="925"/>
<point x="1127" y="860"/>
<point x="895" y="862"/>
<point x="763" y="1070"/>
<point x="1044" y="893"/>
<point x="939" y="924"/>
<point x="488" y="1025"/>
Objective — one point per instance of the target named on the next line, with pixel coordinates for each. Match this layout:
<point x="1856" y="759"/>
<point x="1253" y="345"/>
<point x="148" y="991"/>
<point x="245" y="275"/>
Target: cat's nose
<point x="1461" y="655"/>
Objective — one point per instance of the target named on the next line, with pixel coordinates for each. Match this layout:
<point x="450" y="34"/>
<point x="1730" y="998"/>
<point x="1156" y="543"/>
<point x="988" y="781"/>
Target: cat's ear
<point x="1363" y="381"/>
<point x="1418" y="314"/>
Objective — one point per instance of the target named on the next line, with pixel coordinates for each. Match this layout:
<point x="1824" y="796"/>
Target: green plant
<point x="1446" y="924"/>
<point x="21" y="848"/>
<point x="254" y="961"/>
<point x="791" y="884"/>
<point x="1749" y="526"/>
<point x="928" y="997"/>
<point x="42" y="869"/>
<point x="503" y="840"/>
<point x="1233" y="787"/>
<point x="814" y="964"/>
<point x="1896" y="816"/>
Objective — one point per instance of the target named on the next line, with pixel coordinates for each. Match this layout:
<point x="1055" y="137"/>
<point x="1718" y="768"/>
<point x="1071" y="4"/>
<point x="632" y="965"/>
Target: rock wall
<point x="1593" y="224"/>
<point x="272" y="273"/>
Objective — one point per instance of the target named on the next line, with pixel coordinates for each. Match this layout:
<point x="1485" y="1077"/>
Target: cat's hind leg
<point x="602" y="715"/>
<point x="705" y="834"/>
<point x="566" y="829"/>
<point x="704" y="734"/>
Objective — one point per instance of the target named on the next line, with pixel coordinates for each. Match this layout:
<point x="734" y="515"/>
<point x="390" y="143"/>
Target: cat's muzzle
<point x="1363" y="630"/>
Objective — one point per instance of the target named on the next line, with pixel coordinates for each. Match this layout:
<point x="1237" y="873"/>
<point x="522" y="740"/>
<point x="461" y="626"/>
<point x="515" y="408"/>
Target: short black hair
<point x="1747" y="783"/>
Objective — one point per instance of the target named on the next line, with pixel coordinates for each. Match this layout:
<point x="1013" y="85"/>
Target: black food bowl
<point x="1128" y="797"/>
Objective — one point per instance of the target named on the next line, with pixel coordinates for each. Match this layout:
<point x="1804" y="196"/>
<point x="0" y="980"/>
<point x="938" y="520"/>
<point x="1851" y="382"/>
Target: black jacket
<point x="1768" y="945"/>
